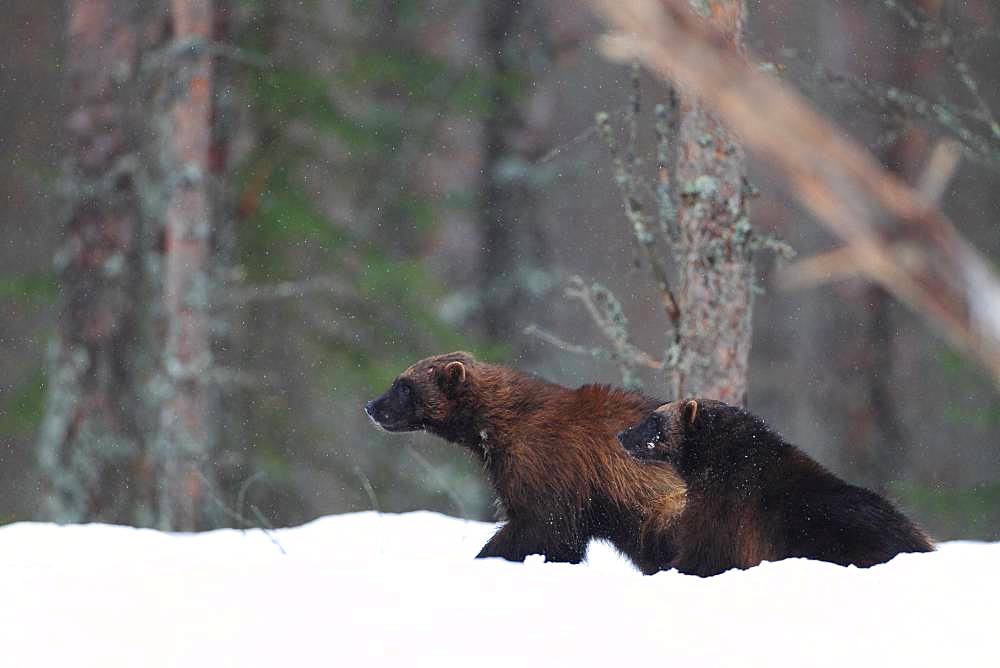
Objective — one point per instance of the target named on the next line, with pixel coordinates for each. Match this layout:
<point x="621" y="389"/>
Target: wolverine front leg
<point x="516" y="540"/>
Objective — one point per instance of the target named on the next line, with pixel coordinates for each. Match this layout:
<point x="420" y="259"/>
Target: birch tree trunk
<point x="716" y="292"/>
<point x="89" y="443"/>
<point x="185" y="437"/>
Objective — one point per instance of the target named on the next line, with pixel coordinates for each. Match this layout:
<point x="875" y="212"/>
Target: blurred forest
<point x="388" y="179"/>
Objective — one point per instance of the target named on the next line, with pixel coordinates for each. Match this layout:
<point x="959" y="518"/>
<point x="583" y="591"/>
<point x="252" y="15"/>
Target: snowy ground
<point x="398" y="590"/>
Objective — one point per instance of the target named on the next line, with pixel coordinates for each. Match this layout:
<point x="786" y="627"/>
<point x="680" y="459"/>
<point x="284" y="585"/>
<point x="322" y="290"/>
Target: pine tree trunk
<point x="90" y="443"/>
<point x="512" y="239"/>
<point x="185" y="438"/>
<point x="716" y="293"/>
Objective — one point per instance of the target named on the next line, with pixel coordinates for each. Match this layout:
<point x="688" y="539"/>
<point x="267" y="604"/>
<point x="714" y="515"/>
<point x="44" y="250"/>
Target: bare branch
<point x="562" y="344"/>
<point x="941" y="36"/>
<point x="833" y="265"/>
<point x="557" y="151"/>
<point x="263" y="525"/>
<point x="460" y="505"/>
<point x="636" y="216"/>
<point x="939" y="171"/>
<point x="940" y="275"/>
<point x="366" y="485"/>
<point x="944" y="115"/>
<point x="607" y="313"/>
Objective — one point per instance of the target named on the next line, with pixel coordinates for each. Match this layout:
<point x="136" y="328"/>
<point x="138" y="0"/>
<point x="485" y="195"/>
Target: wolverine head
<point x="687" y="433"/>
<point x="660" y="436"/>
<point x="425" y="396"/>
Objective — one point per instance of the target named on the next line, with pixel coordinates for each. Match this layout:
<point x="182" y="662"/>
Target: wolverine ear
<point x="453" y="376"/>
<point x="690" y="411"/>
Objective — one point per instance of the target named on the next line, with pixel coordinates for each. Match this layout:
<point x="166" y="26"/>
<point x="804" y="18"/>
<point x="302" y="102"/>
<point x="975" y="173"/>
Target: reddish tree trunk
<point x="716" y="297"/>
<point x="89" y="444"/>
<point x="185" y="437"/>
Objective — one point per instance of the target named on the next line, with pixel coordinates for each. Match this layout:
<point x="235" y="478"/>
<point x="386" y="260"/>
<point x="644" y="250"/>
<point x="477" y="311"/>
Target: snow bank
<point x="392" y="590"/>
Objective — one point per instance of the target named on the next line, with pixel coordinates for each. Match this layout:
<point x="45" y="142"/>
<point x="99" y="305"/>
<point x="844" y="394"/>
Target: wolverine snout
<point x="641" y="437"/>
<point x="370" y="411"/>
<point x="396" y="410"/>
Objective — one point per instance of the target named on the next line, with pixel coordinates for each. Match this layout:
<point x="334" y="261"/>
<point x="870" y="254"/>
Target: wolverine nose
<point x="368" y="408"/>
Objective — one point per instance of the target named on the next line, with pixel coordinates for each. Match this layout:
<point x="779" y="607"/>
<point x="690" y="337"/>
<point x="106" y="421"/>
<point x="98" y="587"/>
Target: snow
<point x="375" y="589"/>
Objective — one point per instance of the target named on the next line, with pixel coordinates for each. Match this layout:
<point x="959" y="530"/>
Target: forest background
<point x="389" y="180"/>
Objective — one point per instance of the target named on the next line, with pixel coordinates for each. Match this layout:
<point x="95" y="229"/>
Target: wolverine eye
<point x="405" y="390"/>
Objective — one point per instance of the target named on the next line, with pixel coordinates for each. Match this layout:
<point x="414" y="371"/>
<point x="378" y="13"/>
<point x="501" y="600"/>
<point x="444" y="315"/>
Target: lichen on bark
<point x="89" y="440"/>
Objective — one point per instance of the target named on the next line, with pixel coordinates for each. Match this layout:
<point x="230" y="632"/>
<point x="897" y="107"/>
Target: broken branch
<point x="943" y="278"/>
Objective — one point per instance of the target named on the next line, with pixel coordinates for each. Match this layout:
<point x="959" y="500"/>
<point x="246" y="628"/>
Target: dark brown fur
<point x="752" y="497"/>
<point x="550" y="453"/>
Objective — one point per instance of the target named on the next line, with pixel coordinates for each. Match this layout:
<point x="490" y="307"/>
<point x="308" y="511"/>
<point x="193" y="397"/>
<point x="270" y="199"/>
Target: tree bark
<point x="716" y="291"/>
<point x="185" y="438"/>
<point x="512" y="239"/>
<point x="90" y="444"/>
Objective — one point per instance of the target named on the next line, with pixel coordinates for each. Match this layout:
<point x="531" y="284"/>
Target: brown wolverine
<point x="753" y="497"/>
<point x="549" y="451"/>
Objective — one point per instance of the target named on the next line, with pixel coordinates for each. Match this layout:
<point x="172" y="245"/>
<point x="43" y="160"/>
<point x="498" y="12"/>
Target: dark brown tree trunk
<point x="90" y="445"/>
<point x="185" y="438"/>
<point x="716" y="292"/>
<point x="877" y="448"/>
<point x="880" y="446"/>
<point x="512" y="238"/>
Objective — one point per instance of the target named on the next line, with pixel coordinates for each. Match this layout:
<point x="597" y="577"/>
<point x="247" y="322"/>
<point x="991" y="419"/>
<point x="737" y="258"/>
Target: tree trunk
<point x="89" y="443"/>
<point x="512" y="239"/>
<point x="185" y="438"/>
<point x="877" y="448"/>
<point x="716" y="292"/>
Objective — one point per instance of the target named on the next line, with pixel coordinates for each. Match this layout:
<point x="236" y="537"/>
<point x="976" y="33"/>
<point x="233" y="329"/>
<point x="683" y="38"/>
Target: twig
<point x="842" y="262"/>
<point x="607" y="313"/>
<point x="771" y="242"/>
<point x="244" y="488"/>
<point x="264" y="525"/>
<point x="557" y="151"/>
<point x="939" y="171"/>
<point x="942" y="37"/>
<point x="463" y="510"/>
<point x="562" y="344"/>
<point x="942" y="276"/>
<point x="366" y="485"/>
<point x="947" y="117"/>
<point x="575" y="141"/>
<point x="637" y="218"/>
<point x="822" y="268"/>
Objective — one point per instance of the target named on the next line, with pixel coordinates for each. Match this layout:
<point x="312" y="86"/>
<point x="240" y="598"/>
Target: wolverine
<point x="550" y="453"/>
<point x="752" y="497"/>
